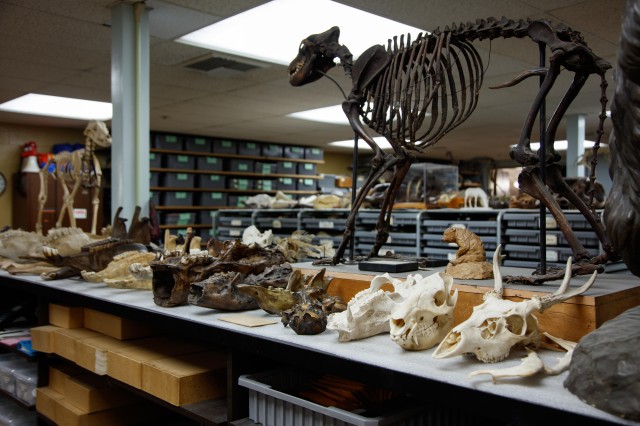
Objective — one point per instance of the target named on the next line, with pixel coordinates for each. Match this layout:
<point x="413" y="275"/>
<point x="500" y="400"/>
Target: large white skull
<point x="368" y="312"/>
<point x="496" y="325"/>
<point x="425" y="316"/>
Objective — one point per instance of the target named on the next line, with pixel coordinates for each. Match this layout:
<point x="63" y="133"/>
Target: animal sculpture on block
<point x="414" y="92"/>
<point x="74" y="170"/>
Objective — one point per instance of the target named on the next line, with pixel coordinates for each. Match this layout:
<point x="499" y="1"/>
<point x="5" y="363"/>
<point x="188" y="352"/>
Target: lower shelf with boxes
<point x="105" y="369"/>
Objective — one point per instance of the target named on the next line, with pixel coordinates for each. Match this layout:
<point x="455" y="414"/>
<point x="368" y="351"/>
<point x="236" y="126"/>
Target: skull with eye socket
<point x="425" y="315"/>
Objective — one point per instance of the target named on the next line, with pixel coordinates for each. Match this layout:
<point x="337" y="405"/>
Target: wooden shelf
<point x="237" y="156"/>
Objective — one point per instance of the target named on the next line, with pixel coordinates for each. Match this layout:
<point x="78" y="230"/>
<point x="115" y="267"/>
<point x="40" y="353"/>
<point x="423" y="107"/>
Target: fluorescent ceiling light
<point x="56" y="106"/>
<point x="333" y="114"/>
<point x="562" y="145"/>
<point x="380" y="141"/>
<point x="272" y="32"/>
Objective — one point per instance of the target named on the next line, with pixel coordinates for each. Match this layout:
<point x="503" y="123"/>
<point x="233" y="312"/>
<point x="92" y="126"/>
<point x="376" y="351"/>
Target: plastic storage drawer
<point x="241" y="184"/>
<point x="272" y="150"/>
<point x="177" y="198"/>
<point x="179" y="180"/>
<point x="162" y="141"/>
<point x="265" y="168"/>
<point x="306" y="185"/>
<point x="272" y="402"/>
<point x="237" y="221"/>
<point x="211" y="164"/>
<point x="213" y="199"/>
<point x="265" y="223"/>
<point x="197" y="144"/>
<point x="311" y="153"/>
<point x="286" y="184"/>
<point x="249" y="148"/>
<point x="26" y="379"/>
<point x="241" y="165"/>
<point x="178" y="161"/>
<point x="212" y="181"/>
<point x="287" y="168"/>
<point x="307" y="169"/>
<point x="328" y="223"/>
<point x="293" y="151"/>
<point x="223" y="146"/>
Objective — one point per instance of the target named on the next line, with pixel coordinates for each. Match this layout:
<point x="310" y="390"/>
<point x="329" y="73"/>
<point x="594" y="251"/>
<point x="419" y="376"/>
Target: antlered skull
<point x="496" y="325"/>
<point x="425" y="315"/>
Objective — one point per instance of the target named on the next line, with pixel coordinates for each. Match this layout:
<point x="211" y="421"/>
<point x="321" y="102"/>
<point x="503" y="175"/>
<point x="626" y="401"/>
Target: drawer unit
<point x="312" y="153"/>
<point x="306" y="185"/>
<point x="553" y="237"/>
<point x="241" y="184"/>
<point x="531" y="220"/>
<point x="286" y="184"/>
<point x="287" y="168"/>
<point x="265" y="184"/>
<point x="265" y="168"/>
<point x="290" y="151"/>
<point x="234" y="221"/>
<point x="272" y="150"/>
<point x="307" y="169"/>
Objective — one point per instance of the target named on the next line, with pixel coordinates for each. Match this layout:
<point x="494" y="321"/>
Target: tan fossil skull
<point x="425" y="315"/>
<point x="498" y="324"/>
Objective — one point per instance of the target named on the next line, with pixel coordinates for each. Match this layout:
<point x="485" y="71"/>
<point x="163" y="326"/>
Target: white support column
<point x="575" y="145"/>
<point x="130" y="98"/>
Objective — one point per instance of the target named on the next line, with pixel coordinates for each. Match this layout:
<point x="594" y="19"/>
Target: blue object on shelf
<point x="25" y="347"/>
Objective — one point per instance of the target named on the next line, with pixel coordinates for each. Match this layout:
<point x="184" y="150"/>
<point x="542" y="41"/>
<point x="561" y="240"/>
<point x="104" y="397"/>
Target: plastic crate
<point x="8" y="366"/>
<point x="306" y="185"/>
<point x="307" y="169"/>
<point x="293" y="151"/>
<point x="272" y="403"/>
<point x="26" y="379"/>
<point x="249" y="148"/>
<point x="179" y="180"/>
<point x="196" y="144"/>
<point x="265" y="168"/>
<point x="241" y="183"/>
<point x="212" y="164"/>
<point x="213" y="199"/>
<point x="180" y="161"/>
<point x="164" y="141"/>
<point x="286" y="168"/>
<point x="212" y="181"/>
<point x="177" y="198"/>
<point x="312" y="153"/>
<point x="241" y="165"/>
<point x="272" y="150"/>
<point x="265" y="184"/>
<point x="178" y="218"/>
<point x="223" y="146"/>
<point x="286" y="184"/>
<point x="155" y="160"/>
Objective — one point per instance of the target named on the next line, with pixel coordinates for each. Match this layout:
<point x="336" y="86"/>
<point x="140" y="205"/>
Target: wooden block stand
<point x="610" y="295"/>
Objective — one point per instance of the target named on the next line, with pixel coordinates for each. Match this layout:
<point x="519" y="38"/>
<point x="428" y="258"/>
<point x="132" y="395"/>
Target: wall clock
<point x="3" y="183"/>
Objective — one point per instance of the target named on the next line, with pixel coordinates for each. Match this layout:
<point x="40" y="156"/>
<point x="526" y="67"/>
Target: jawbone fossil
<point x="425" y="315"/>
<point x="497" y="324"/>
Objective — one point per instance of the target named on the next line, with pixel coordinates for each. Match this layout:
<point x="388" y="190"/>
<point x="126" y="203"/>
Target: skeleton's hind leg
<point x="384" y="219"/>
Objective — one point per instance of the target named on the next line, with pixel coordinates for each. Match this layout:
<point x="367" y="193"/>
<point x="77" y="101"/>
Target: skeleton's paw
<point x="327" y="261"/>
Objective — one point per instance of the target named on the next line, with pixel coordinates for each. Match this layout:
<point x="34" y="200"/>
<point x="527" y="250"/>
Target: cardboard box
<point x="115" y="326"/>
<point x="188" y="378"/>
<point x="125" y="363"/>
<point x="42" y="338"/>
<point x="91" y="354"/>
<point x="66" y="316"/>
<point x="58" y="375"/>
<point x="91" y="393"/>
<point x="46" y="401"/>
<point x="64" y="340"/>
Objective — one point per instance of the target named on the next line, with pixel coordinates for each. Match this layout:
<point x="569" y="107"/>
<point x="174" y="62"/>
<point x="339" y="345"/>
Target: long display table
<point x="375" y="360"/>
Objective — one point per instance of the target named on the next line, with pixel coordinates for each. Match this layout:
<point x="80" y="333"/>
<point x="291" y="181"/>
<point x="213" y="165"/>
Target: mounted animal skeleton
<point x="416" y="92"/>
<point x="73" y="170"/>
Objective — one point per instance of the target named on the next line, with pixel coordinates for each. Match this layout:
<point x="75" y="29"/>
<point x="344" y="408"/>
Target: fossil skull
<point x="498" y="324"/>
<point x="425" y="316"/>
<point x="368" y="312"/>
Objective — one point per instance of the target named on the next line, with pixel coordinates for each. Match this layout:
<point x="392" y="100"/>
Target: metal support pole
<point x="354" y="188"/>
<point x="543" y="165"/>
<point x="130" y="98"/>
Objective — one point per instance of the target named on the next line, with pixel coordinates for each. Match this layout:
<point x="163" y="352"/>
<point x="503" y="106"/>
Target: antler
<point x="562" y="294"/>
<point x="497" y="275"/>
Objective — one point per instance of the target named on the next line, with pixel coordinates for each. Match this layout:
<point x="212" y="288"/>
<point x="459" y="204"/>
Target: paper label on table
<point x="248" y="320"/>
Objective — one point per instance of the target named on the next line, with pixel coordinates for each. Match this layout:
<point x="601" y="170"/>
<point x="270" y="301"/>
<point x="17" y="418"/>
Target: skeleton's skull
<point x="368" y="312"/>
<point x="497" y="324"/>
<point x="425" y="316"/>
<point x="493" y="328"/>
